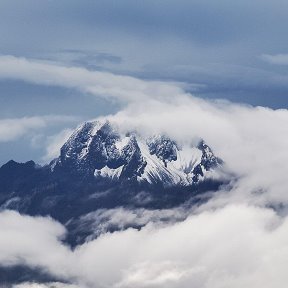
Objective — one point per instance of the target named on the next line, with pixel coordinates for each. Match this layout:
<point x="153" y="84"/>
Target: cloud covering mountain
<point x="155" y="67"/>
<point x="233" y="240"/>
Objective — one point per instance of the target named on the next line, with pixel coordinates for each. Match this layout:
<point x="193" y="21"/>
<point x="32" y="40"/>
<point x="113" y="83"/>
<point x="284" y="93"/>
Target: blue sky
<point x="236" y="50"/>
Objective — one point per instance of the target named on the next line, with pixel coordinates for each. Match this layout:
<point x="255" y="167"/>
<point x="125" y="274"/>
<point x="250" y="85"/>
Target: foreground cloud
<point x="235" y="246"/>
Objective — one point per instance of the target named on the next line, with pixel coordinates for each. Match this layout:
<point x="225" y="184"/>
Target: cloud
<point x="103" y="220"/>
<point x="11" y="129"/>
<point x="235" y="246"/>
<point x="54" y="143"/>
<point x="28" y="251"/>
<point x="251" y="140"/>
<point x="182" y="44"/>
<point x="277" y="59"/>
<point x="104" y="84"/>
<point x="46" y="285"/>
<point x="228" y="242"/>
<point x="85" y="58"/>
<point x="14" y="128"/>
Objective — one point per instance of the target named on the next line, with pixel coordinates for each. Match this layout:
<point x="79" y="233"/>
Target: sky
<point x="188" y="68"/>
<point x="216" y="49"/>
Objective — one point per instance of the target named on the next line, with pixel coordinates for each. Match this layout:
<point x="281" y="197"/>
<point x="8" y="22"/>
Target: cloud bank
<point x="232" y="241"/>
<point x="251" y="140"/>
<point x="235" y="246"/>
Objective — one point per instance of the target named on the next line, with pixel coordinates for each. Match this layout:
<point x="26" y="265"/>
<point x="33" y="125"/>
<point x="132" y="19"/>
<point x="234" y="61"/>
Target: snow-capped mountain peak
<point x="98" y="148"/>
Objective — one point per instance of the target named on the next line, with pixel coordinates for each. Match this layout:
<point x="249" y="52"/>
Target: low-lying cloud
<point x="235" y="246"/>
<point x="104" y="220"/>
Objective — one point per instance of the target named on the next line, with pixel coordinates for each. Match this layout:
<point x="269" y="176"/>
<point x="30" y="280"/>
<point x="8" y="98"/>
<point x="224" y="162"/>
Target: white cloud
<point x="100" y="221"/>
<point x="14" y="128"/>
<point x="46" y="285"/>
<point x="54" y="143"/>
<point x="11" y="129"/>
<point x="277" y="59"/>
<point x="20" y="243"/>
<point x="104" y="84"/>
<point x="235" y="246"/>
<point x="251" y="140"/>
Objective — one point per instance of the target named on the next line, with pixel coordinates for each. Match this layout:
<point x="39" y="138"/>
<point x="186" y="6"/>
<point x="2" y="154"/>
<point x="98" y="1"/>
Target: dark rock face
<point x="134" y="163"/>
<point x="163" y="147"/>
<point x="84" y="152"/>
<point x="12" y="171"/>
<point x="208" y="161"/>
<point x="98" y="149"/>
<point x="9" y="276"/>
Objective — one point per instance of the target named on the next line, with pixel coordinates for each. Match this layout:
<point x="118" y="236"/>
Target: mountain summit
<point x="98" y="148"/>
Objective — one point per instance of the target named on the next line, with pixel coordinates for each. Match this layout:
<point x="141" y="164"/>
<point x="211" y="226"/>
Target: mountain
<point x="100" y="170"/>
<point x="97" y="148"/>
